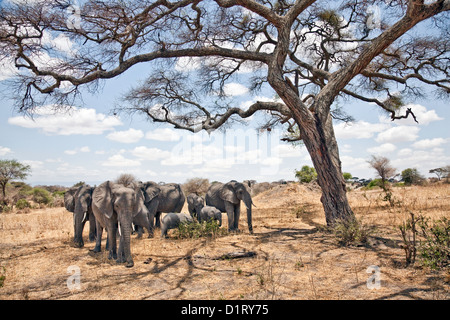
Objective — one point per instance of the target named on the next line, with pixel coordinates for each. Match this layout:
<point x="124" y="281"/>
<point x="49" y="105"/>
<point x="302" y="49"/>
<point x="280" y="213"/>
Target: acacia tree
<point x="309" y="52"/>
<point x="11" y="170"/>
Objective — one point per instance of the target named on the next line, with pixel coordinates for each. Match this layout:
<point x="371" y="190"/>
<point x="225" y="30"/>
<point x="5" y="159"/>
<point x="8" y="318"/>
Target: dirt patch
<point x="291" y="257"/>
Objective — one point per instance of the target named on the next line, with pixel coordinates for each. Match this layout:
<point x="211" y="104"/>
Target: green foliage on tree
<point x="412" y="176"/>
<point x="12" y="170"/>
<point x="306" y="174"/>
<point x="347" y="176"/>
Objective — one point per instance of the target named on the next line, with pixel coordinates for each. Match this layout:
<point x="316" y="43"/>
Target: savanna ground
<point x="295" y="258"/>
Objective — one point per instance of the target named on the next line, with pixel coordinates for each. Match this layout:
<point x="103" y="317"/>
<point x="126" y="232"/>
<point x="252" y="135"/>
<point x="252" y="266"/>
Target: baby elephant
<point x="210" y="213"/>
<point x="172" y="221"/>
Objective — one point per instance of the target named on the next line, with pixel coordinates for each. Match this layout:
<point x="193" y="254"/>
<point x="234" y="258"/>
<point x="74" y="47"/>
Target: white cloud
<point x="423" y="160"/>
<point x="163" y="134"/>
<point x="235" y="89"/>
<point x="70" y="152"/>
<point x="34" y="164"/>
<point x="77" y="150"/>
<point x="424" y="116"/>
<point x="4" y="151"/>
<point x="429" y="143"/>
<point x="404" y="152"/>
<point x="145" y="153"/>
<point x="74" y="121"/>
<point x="119" y="160"/>
<point x="382" y="149"/>
<point x="129" y="136"/>
<point x="350" y="163"/>
<point x="398" y="134"/>
<point x="288" y="151"/>
<point x="358" y="129"/>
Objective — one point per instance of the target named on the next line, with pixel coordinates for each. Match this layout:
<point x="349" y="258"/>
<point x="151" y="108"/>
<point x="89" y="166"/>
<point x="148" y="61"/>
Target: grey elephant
<point x="195" y="204"/>
<point x="116" y="206"/>
<point x="208" y="213"/>
<point x="227" y="198"/>
<point x="78" y="200"/>
<point x="161" y="198"/>
<point x="172" y="220"/>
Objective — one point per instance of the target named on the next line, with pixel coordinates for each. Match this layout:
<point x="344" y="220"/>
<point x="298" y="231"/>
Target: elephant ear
<point x="228" y="193"/>
<point x="69" y="199"/>
<point x="102" y="198"/>
<point x="151" y="192"/>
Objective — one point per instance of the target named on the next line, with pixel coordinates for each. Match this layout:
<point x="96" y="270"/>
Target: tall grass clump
<point x="351" y="232"/>
<point x="195" y="230"/>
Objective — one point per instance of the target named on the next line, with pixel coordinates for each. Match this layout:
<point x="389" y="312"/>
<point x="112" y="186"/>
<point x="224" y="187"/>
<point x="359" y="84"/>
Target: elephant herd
<point x="116" y="208"/>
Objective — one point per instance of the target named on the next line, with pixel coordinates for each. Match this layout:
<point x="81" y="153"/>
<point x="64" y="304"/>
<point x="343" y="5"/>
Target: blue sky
<point x="90" y="144"/>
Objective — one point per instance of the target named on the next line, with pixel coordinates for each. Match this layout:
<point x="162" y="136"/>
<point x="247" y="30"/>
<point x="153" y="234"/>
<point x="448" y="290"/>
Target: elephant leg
<point x="98" y="242"/>
<point x="152" y="207"/>
<point x="158" y="220"/>
<point x="229" y="208"/>
<point x="112" y="232"/>
<point x="92" y="227"/>
<point x="140" y="231"/>
<point x="142" y="221"/>
<point x="237" y="214"/>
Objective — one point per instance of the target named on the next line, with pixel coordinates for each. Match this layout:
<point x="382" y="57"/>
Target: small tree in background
<point x="199" y="186"/>
<point x="412" y="176"/>
<point x="11" y="170"/>
<point x="384" y="171"/>
<point x="306" y="174"/>
<point x="126" y="179"/>
<point x="347" y="176"/>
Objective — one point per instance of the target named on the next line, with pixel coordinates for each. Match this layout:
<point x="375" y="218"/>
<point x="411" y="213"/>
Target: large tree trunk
<point x="321" y="144"/>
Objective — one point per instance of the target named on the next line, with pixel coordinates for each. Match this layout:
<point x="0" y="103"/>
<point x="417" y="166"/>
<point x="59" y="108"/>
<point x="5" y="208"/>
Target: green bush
<point x="41" y="196"/>
<point x="374" y="183"/>
<point x="22" y="204"/>
<point x="194" y="230"/>
<point x="351" y="232"/>
<point x="306" y="174"/>
<point x="435" y="248"/>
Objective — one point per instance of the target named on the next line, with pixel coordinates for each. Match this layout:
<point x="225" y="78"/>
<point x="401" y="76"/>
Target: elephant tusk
<point x="84" y="216"/>
<point x="120" y="229"/>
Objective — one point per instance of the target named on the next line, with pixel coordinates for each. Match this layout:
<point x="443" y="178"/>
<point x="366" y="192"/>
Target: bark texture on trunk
<point x="322" y="147"/>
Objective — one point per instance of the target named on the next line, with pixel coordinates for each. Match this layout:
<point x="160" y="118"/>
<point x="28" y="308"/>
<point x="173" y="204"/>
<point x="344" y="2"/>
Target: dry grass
<point x="294" y="258"/>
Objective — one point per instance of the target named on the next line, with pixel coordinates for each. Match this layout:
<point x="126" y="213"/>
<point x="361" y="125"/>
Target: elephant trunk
<point x="79" y="219"/>
<point x="125" y="252"/>
<point x="248" y="204"/>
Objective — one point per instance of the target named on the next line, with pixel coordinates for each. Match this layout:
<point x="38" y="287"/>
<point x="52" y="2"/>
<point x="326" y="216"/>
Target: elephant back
<point x="171" y="198"/>
<point x="213" y="198"/>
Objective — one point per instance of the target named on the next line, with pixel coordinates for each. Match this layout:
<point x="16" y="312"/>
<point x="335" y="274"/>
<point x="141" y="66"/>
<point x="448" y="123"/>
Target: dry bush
<point x="126" y="179"/>
<point x="199" y="186"/>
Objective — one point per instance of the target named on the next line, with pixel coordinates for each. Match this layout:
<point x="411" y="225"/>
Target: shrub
<point x="434" y="242"/>
<point x="435" y="248"/>
<point x="412" y="176"/>
<point x="199" y="186"/>
<point x="306" y="174"/>
<point x="374" y="183"/>
<point x="194" y="230"/>
<point x="41" y="196"/>
<point x="351" y="232"/>
<point x="22" y="204"/>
